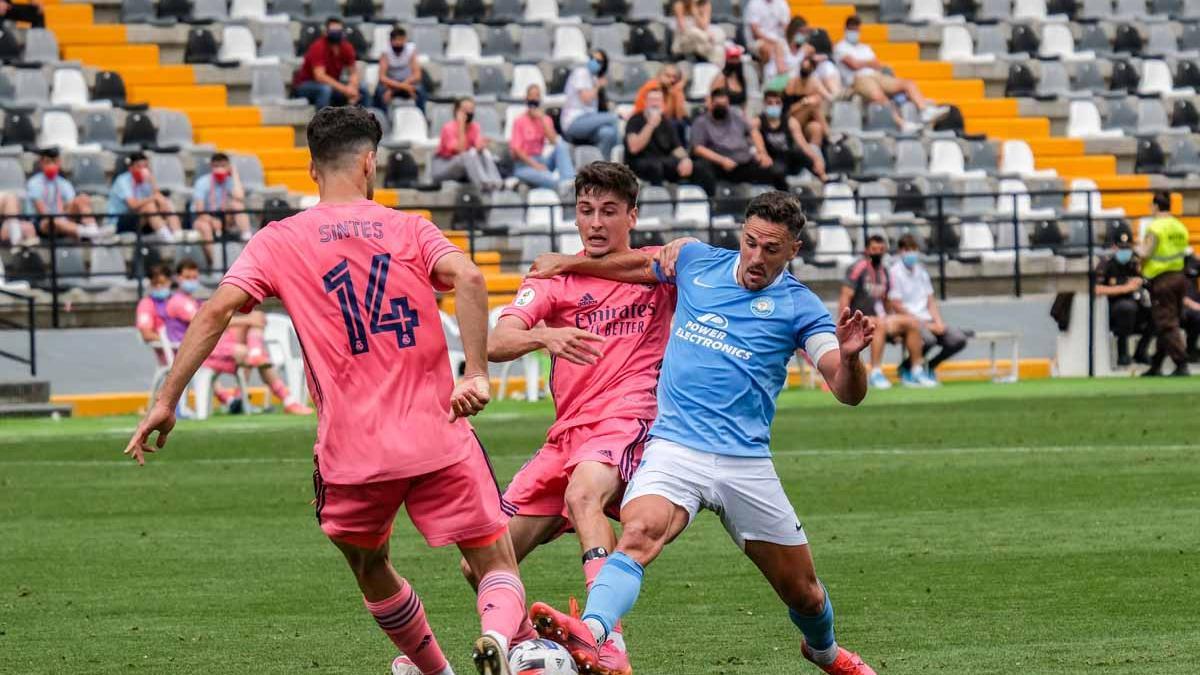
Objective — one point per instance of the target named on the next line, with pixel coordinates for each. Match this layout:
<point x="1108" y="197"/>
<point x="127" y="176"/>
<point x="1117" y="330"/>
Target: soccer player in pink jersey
<point x="241" y="345"/>
<point x="606" y="340"/>
<point x="359" y="282"/>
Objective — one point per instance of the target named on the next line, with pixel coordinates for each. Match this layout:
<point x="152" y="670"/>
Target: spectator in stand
<point x="863" y="73"/>
<point x="30" y="13"/>
<point x="399" y="72"/>
<point x="725" y="149"/>
<point x="1119" y="278"/>
<point x="531" y="133"/>
<point x="788" y="55"/>
<point x="766" y="27"/>
<point x="669" y="82"/>
<point x="817" y="75"/>
<point x="462" y="152"/>
<point x="695" y="34"/>
<point x="867" y="288"/>
<point x="214" y="196"/>
<point x="912" y="294"/>
<point x="51" y="196"/>
<point x="240" y="346"/>
<point x="1191" y="311"/>
<point x="135" y="201"/>
<point x="652" y="145"/>
<point x="585" y="119"/>
<point x="15" y="230"/>
<point x="732" y="79"/>
<point x="329" y="73"/>
<point x="784" y="140"/>
<point x="1163" y="252"/>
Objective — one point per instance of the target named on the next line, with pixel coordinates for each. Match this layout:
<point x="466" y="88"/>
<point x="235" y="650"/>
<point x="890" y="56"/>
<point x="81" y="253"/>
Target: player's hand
<point x="471" y="395"/>
<point x="854" y="332"/>
<point x="549" y="265"/>
<point x="573" y="344"/>
<point x="668" y="255"/>
<point x="937" y="328"/>
<point x="161" y="419"/>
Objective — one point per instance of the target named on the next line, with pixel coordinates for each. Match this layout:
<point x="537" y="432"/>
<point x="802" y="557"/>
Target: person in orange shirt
<point x="674" y="110"/>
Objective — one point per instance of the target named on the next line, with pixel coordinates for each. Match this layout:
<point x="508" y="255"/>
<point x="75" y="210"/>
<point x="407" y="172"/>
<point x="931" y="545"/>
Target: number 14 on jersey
<point x="399" y="319"/>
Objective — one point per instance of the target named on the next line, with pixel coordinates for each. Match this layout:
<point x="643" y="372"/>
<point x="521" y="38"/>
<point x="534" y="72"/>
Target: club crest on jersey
<point x="587" y="300"/>
<point x="714" y="320"/>
<point x="524" y="297"/>
<point x="762" y="307"/>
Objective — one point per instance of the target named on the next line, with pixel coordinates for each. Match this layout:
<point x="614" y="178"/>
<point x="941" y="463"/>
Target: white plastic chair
<point x="380" y="37"/>
<point x="529" y="365"/>
<point x="462" y="44"/>
<point x="1157" y="80"/>
<point x="525" y="74"/>
<point x="834" y="245"/>
<point x="202" y="391"/>
<point x="237" y="44"/>
<point x="1059" y="42"/>
<point x="1030" y="10"/>
<point x="927" y="11"/>
<point x="1083" y="121"/>
<point x="164" y="356"/>
<point x="691" y="205"/>
<point x="59" y="130"/>
<point x="570" y="44"/>
<point x="976" y="239"/>
<point x="1013" y="190"/>
<point x="279" y="337"/>
<point x="541" y="11"/>
<point x="458" y="359"/>
<point x="70" y="89"/>
<point x="1083" y="191"/>
<point x="703" y="74"/>
<point x="409" y="126"/>
<point x="946" y="159"/>
<point x="959" y="47"/>
<point x="839" y="204"/>
<point x="1017" y="159"/>
<point x="253" y="10"/>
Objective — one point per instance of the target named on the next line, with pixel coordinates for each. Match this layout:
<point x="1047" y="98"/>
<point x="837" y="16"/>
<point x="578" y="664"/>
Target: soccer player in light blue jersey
<point x="739" y="317"/>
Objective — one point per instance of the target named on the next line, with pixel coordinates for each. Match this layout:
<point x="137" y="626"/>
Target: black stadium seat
<point x="402" y="171"/>
<point x="179" y="10"/>
<point x="18" y="130"/>
<point x="10" y="47"/>
<point x="109" y="86"/>
<point x="364" y="9"/>
<point x="139" y="130"/>
<point x="201" y="46"/>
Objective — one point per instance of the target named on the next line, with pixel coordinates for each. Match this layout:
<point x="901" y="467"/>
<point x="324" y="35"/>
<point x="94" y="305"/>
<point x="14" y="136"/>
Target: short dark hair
<point x="820" y="42"/>
<point x="158" y="270"/>
<point x="853" y="21"/>
<point x="1162" y="200"/>
<point x="136" y="156"/>
<point x="600" y="178"/>
<point x="773" y="92"/>
<point x="719" y="92"/>
<point x="335" y="132"/>
<point x="876" y="239"/>
<point x="48" y="153"/>
<point x="218" y="157"/>
<point x="781" y="208"/>
<point x="334" y="19"/>
<point x="908" y="243"/>
<point x="458" y="102"/>
<point x="186" y="264"/>
<point x="398" y="31"/>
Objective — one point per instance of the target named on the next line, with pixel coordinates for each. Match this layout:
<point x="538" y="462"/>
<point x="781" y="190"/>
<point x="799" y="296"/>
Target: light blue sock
<point x="615" y="590"/>
<point x="817" y="629"/>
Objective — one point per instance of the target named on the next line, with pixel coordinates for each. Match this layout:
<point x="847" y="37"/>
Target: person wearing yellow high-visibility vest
<point x="1164" y="248"/>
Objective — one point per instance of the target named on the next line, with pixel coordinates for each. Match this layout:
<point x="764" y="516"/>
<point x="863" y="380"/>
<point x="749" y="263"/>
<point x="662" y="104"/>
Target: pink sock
<point x="591" y="569"/>
<point x="501" y="607"/>
<point x="280" y="389"/>
<point x="254" y="338"/>
<point x="403" y="619"/>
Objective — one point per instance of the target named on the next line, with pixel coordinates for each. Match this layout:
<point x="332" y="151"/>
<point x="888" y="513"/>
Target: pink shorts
<point x="222" y="357"/>
<point x="539" y="487"/>
<point x="459" y="504"/>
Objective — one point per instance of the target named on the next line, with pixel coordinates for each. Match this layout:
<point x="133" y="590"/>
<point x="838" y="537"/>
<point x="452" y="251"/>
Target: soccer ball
<point x="541" y="657"/>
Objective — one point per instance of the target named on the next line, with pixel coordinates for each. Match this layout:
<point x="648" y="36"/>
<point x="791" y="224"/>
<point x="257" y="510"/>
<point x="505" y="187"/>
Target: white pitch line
<point x="815" y="452"/>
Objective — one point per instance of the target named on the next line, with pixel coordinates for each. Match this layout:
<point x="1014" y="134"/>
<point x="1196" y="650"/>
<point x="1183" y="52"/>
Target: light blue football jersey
<point x="726" y="360"/>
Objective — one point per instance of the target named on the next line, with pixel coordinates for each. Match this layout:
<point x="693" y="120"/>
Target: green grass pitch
<point x="1049" y="527"/>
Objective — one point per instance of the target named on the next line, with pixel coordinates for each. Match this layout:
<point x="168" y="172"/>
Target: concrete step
<point x="24" y="391"/>
<point x="10" y="410"/>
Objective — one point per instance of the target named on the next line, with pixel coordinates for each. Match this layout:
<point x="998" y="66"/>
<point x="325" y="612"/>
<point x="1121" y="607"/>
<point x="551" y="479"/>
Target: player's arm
<point x="841" y="367"/>
<point x="455" y="270"/>
<point x="512" y="338"/>
<point x="632" y="267"/>
<point x="844" y="299"/>
<point x="201" y="337"/>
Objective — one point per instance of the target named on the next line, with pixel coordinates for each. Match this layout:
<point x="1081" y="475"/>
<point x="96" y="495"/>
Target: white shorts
<point x="744" y="491"/>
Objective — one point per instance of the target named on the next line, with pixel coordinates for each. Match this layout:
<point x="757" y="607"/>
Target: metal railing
<point x="30" y="327"/>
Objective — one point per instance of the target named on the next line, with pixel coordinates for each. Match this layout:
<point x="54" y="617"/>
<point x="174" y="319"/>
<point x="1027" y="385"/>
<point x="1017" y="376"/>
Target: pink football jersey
<point x="635" y="322"/>
<point x="356" y="279"/>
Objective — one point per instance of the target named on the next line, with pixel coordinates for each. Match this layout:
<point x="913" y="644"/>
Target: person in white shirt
<point x="912" y="293"/>
<point x="584" y="118"/>
<point x="862" y="71"/>
<point x="766" y="27"/>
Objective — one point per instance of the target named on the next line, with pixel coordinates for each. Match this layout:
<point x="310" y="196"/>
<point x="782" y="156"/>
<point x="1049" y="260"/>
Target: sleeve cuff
<point x="256" y="297"/>
<point x="438" y="254"/>
<point x="519" y="313"/>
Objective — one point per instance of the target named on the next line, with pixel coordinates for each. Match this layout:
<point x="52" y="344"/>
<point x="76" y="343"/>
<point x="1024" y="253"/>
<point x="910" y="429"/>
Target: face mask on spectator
<point x="773" y="110"/>
<point x="160" y="293"/>
<point x="654" y="109"/>
<point x="334" y="36"/>
<point x="470" y="117"/>
<point x="733" y="67"/>
<point x="1124" y="255"/>
<point x="51" y="171"/>
<point x="852" y="37"/>
<point x="533" y="103"/>
<point x="189" y="286"/>
<point x="910" y="259"/>
<point x="799" y="39"/>
<point x="220" y="175"/>
<point x="397" y="47"/>
<point x="140" y="174"/>
<point x="593" y="66"/>
<point x="876" y="259"/>
<point x="720" y="112"/>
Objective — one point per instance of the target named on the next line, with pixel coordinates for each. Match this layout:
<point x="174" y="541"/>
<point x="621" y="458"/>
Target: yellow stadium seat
<point x="246" y="139"/>
<point x="225" y="116"/>
<point x="1009" y="128"/>
<point x="1056" y="147"/>
<point x="157" y="75"/>
<point x="1086" y="166"/>
<point x="171" y="96"/>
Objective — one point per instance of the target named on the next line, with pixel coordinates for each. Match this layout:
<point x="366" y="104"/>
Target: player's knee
<point x="365" y="563"/>
<point x="467" y="572"/>
<point x="806" y="596"/>
<point x="641" y="541"/>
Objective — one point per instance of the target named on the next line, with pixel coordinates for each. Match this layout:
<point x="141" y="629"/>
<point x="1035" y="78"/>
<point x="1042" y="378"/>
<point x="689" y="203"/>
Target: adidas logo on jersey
<point x="587" y="300"/>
